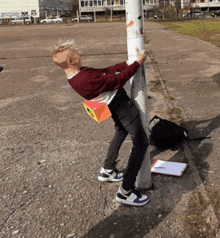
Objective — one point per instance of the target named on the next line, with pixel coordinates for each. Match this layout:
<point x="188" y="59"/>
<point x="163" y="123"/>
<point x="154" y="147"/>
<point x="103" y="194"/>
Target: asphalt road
<point x="51" y="151"/>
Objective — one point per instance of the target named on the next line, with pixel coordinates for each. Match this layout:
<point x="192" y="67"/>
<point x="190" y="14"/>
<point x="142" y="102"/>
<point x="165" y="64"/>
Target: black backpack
<point x="168" y="135"/>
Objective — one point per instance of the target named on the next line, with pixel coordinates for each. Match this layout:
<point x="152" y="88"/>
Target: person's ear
<point x="70" y="61"/>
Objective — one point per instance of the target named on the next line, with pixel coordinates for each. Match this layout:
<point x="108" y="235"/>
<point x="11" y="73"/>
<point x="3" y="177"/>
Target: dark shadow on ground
<point x="128" y="221"/>
<point x="132" y="222"/>
<point x="216" y="78"/>
<point x="202" y="148"/>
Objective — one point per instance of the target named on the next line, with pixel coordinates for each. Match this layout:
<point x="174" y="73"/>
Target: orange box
<point x="98" y="111"/>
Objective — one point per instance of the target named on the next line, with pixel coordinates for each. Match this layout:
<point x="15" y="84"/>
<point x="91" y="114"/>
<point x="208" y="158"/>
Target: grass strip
<point x="207" y="30"/>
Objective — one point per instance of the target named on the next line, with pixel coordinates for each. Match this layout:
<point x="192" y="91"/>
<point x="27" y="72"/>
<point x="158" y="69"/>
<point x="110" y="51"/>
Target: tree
<point x="74" y="5"/>
<point x="178" y="8"/>
<point x="106" y="11"/>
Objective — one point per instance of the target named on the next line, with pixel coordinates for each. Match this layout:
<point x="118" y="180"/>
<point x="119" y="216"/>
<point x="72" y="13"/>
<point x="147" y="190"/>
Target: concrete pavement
<point x="188" y="69"/>
<point x="51" y="151"/>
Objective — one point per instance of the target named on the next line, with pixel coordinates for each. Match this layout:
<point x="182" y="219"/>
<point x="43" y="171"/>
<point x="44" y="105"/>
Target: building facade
<point x="18" y="8"/>
<point x="54" y="7"/>
<point x="114" y="5"/>
<point x="35" y="8"/>
<point x="206" y="5"/>
<point x="44" y="8"/>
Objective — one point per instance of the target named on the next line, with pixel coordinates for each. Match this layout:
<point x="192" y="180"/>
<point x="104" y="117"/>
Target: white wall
<point x="11" y="8"/>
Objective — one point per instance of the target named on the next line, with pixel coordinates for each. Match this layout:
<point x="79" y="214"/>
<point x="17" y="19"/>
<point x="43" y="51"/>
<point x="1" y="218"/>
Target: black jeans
<point x="127" y="121"/>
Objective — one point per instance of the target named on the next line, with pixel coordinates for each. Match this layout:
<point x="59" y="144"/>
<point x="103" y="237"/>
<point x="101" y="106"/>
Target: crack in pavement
<point x="15" y="211"/>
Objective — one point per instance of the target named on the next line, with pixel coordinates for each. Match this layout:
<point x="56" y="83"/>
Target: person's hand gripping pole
<point x="141" y="57"/>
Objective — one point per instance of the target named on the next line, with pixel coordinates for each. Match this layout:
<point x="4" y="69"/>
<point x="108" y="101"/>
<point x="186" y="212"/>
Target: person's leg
<point x="115" y="145"/>
<point x="109" y="172"/>
<point x="130" y="119"/>
<point x="140" y="144"/>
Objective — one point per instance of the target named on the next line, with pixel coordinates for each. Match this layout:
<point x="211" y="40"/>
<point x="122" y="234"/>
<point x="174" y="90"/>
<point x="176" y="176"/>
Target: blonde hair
<point x="63" y="45"/>
<point x="58" y="56"/>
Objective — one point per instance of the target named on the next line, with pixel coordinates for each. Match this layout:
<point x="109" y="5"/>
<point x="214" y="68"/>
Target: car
<point x="20" y="20"/>
<point x="186" y="15"/>
<point x="158" y="16"/>
<point x="83" y="18"/>
<point x="216" y="14"/>
<point x="54" y="19"/>
<point x="196" y="14"/>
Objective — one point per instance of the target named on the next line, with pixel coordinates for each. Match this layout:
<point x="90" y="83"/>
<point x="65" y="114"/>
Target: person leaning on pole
<point x="106" y="85"/>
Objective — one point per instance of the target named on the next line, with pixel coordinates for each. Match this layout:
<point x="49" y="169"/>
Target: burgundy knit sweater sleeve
<point x="115" y="68"/>
<point x="90" y="82"/>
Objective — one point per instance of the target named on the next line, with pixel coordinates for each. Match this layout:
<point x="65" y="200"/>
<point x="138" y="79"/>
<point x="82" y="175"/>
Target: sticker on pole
<point x="130" y="23"/>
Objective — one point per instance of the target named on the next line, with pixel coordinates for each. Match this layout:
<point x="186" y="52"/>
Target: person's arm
<point x="109" y="82"/>
<point x="141" y="57"/>
<point x="90" y="83"/>
<point x="114" y="68"/>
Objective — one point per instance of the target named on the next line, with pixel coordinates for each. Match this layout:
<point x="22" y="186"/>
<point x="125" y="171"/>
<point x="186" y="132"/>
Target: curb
<point x="209" y="212"/>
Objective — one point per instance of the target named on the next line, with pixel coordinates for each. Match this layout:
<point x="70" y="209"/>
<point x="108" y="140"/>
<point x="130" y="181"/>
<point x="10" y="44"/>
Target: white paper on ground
<point x="168" y="167"/>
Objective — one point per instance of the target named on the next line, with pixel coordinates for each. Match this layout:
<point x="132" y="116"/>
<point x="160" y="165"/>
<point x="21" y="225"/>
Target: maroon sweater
<point x="90" y="82"/>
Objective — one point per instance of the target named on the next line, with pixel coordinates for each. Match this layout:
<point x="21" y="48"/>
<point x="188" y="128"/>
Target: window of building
<point x="33" y="12"/>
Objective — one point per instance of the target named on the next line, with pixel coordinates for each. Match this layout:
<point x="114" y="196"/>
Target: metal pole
<point x="77" y="16"/>
<point x="94" y="15"/>
<point x="135" y="39"/>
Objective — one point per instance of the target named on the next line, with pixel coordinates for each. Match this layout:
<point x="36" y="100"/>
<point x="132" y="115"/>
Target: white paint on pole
<point x="135" y="39"/>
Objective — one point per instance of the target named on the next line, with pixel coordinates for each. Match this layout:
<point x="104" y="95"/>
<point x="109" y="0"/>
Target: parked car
<point x="54" y="19"/>
<point x="19" y="20"/>
<point x="186" y="15"/>
<point x="83" y="18"/>
<point x="216" y="14"/>
<point x="196" y="14"/>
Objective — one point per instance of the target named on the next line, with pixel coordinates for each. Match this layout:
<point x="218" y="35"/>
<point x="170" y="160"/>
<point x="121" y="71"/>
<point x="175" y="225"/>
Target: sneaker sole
<point x="101" y="179"/>
<point x="121" y="201"/>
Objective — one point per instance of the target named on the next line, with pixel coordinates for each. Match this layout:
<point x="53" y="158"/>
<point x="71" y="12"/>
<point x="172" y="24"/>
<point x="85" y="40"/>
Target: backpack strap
<point x="198" y="138"/>
<point x="155" y="117"/>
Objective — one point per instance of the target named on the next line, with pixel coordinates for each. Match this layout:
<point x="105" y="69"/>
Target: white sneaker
<point x="110" y="176"/>
<point x="132" y="197"/>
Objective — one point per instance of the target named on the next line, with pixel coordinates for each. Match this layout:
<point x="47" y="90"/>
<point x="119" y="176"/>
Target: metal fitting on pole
<point x="135" y="39"/>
